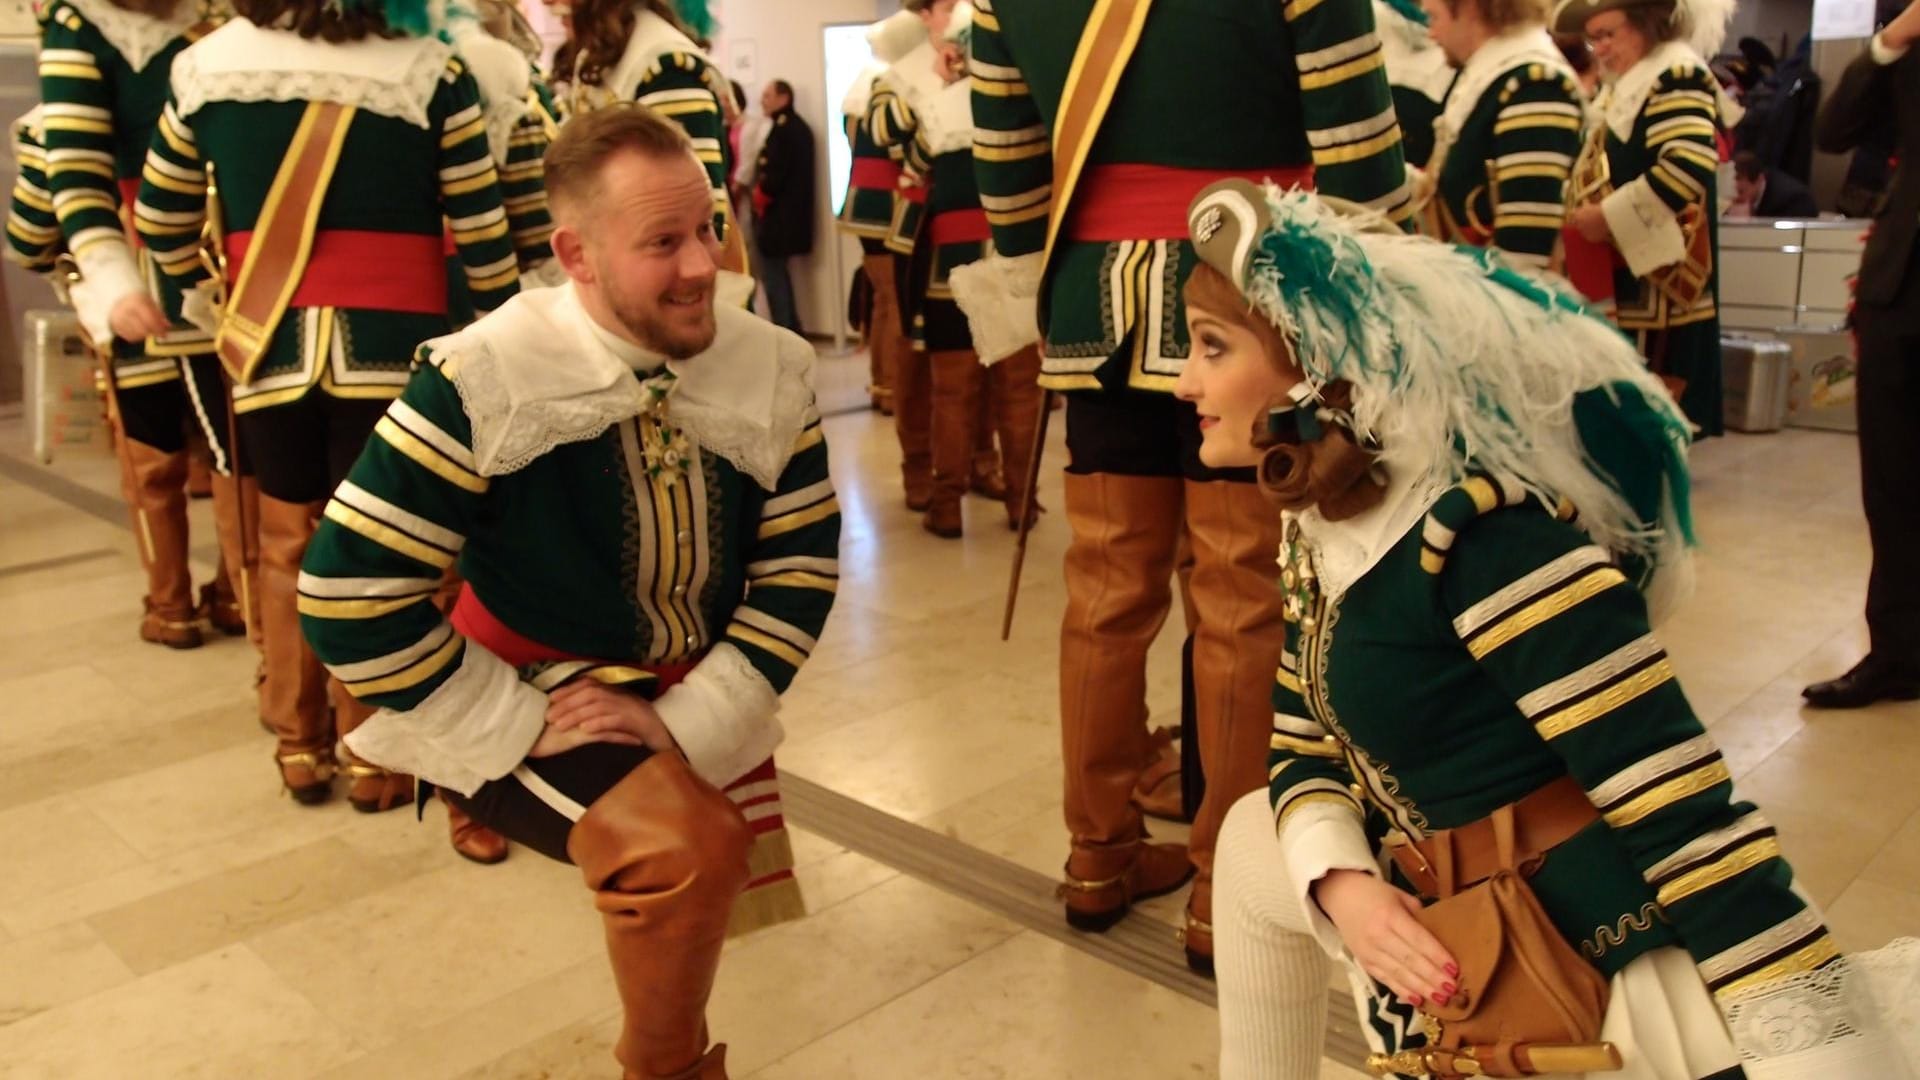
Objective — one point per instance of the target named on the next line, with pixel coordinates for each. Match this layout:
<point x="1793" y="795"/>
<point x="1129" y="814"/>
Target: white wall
<point x="787" y="45"/>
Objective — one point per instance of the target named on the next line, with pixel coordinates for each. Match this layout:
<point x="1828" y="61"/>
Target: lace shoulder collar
<point x="137" y="38"/>
<point x="240" y="61"/>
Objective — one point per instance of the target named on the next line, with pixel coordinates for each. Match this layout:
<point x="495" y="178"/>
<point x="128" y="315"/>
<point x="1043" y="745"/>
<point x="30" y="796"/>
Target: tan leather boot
<point x="199" y="466"/>
<point x="913" y="423"/>
<point x="231" y="602"/>
<point x="884" y="340"/>
<point x="156" y="485"/>
<point x="371" y="788"/>
<point x="1013" y="386"/>
<point x="666" y="855"/>
<point x="1236" y="649"/>
<point x="471" y="839"/>
<point x="294" y="694"/>
<point x="987" y="476"/>
<point x="958" y="380"/>
<point x="1118" y="568"/>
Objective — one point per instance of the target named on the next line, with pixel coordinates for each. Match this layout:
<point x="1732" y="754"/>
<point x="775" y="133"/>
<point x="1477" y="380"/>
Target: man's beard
<point x="656" y="334"/>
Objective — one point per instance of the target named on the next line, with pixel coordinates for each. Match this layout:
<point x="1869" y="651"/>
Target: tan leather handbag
<point x="1528" y="1003"/>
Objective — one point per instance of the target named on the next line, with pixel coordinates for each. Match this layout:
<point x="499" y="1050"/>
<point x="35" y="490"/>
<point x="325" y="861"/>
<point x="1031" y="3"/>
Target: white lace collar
<point x="1344" y="551"/>
<point x="137" y="38"/>
<point x="653" y="37"/>
<point x="1495" y="58"/>
<point x="1620" y="102"/>
<point x="912" y="77"/>
<point x="240" y="61"/>
<point x="539" y="373"/>
<point x="947" y="123"/>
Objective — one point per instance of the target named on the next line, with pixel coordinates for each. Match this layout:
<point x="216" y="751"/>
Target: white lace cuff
<point x="1823" y="1023"/>
<point x="473" y="728"/>
<point x="1644" y="229"/>
<point x="110" y="275"/>
<point x="997" y="295"/>
<point x="724" y="715"/>
<point x="1320" y="837"/>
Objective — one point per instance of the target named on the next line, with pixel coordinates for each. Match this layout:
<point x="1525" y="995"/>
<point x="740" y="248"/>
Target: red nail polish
<point x="1418" y="1001"/>
<point x="1440" y="999"/>
<point x="1453" y="969"/>
<point x="1447" y="989"/>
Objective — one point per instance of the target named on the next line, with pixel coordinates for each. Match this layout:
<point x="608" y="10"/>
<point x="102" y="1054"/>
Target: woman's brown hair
<point x="1334" y="473"/>
<point x="601" y="29"/>
<point x="333" y="22"/>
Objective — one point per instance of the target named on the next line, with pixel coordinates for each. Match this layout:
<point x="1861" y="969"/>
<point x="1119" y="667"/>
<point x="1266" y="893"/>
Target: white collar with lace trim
<point x="136" y="37"/>
<point x="240" y="61"/>
<point x="1620" y="102"/>
<point x="1344" y="551"/>
<point x="539" y="373"/>
<point x="1495" y="58"/>
<point x="653" y="37"/>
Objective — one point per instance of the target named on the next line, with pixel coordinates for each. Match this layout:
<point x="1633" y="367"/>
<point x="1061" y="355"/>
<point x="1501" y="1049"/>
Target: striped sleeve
<point x="1552" y="620"/>
<point x="452" y="713"/>
<point x="173" y="198"/>
<point x="1305" y="763"/>
<point x="523" y="184"/>
<point x="793" y="565"/>
<point x="77" y="111"/>
<point x="1536" y="136"/>
<point x="1348" y="106"/>
<point x="470" y="192"/>
<point x="1013" y="159"/>
<point x="1680" y="118"/>
<point x="681" y="90"/>
<point x="33" y="232"/>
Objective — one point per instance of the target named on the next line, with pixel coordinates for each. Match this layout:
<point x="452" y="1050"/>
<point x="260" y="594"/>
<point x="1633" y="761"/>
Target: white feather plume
<point x="1704" y="24"/>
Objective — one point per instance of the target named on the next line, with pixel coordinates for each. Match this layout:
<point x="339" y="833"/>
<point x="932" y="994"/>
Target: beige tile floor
<point x="164" y="912"/>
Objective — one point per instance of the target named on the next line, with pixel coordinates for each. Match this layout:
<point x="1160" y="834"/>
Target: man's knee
<point x="660" y="829"/>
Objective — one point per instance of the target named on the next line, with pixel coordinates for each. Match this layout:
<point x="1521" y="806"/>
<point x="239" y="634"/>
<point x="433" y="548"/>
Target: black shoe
<point x="1870" y="680"/>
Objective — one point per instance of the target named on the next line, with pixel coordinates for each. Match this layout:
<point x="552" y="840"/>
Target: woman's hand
<point x="1376" y="922"/>
<point x="1591" y="223"/>
<point x="585" y="711"/>
<point x="135" y="317"/>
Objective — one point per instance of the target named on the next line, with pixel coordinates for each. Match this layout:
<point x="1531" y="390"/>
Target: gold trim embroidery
<point x="1612" y="937"/>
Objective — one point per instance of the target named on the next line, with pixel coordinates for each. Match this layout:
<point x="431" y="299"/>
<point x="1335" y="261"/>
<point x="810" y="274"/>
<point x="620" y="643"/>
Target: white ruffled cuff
<point x="1884" y="54"/>
<point x="473" y="728"/>
<point x="1644" y="229"/>
<point x="998" y="295"/>
<point x="110" y="275"/>
<point x="1318" y="838"/>
<point x="724" y="715"/>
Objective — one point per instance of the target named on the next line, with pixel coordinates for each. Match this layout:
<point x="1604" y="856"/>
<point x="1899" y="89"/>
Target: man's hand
<point x="135" y="317"/>
<point x="585" y="711"/>
<point x="1904" y="30"/>
<point x="1591" y="222"/>
<point x="1376" y="922"/>
<point x="949" y="62"/>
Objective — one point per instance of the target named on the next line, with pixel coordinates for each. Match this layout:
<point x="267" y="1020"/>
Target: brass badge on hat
<point x="1226" y="221"/>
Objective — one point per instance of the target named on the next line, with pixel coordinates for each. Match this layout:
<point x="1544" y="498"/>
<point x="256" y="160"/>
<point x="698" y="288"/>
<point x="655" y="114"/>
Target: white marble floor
<point x="166" y="912"/>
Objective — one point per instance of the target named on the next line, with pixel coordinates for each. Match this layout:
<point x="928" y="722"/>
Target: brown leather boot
<point x="471" y="839"/>
<point x="293" y="696"/>
<point x="156" y="484"/>
<point x="1236" y="649"/>
<point x="1196" y="933"/>
<point x="986" y="476"/>
<point x="232" y="602"/>
<point x="913" y="423"/>
<point x="883" y="332"/>
<point x="958" y="380"/>
<point x="1158" y="792"/>
<point x="372" y="788"/>
<point x="1118" y="568"/>
<point x="199" y="466"/>
<point x="666" y="855"/>
<point x="1013" y="384"/>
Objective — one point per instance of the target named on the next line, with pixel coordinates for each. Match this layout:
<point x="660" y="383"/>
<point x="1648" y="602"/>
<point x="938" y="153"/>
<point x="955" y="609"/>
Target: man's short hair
<point x="1747" y="165"/>
<point x="576" y="158"/>
<point x="783" y="88"/>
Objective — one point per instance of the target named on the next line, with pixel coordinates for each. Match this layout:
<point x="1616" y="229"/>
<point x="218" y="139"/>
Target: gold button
<point x="1330" y="740"/>
<point x="691" y="641"/>
<point x="1358" y="792"/>
<point x="679" y="590"/>
<point x="686" y="536"/>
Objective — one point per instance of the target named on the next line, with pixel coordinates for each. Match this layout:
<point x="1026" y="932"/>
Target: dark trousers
<point x="1889" y="404"/>
<point x="538" y="802"/>
<point x="161" y="415"/>
<point x="300" y="451"/>
<point x="1136" y="433"/>
<point x="778" y="281"/>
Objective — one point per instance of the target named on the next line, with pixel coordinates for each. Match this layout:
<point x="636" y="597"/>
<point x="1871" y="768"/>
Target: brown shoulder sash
<point x="282" y="240"/>
<point x="1106" y="44"/>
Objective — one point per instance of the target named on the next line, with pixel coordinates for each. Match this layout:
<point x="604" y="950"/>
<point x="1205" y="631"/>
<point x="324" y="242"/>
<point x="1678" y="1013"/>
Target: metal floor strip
<point x="1141" y="946"/>
<point x="57" y="561"/>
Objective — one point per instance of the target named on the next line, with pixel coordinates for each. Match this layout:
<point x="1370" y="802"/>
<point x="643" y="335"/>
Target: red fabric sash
<point x="880" y="174"/>
<point x="913" y="193"/>
<point x="754" y="791"/>
<point x="1150" y="202"/>
<point x="356" y="268"/>
<point x="960" y="227"/>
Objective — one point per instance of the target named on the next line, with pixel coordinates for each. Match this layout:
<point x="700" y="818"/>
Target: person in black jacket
<point x="1880" y="95"/>
<point x="783" y="199"/>
<point x="1768" y="193"/>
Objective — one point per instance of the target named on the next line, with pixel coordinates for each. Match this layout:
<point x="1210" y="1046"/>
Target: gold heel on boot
<point x="307" y="775"/>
